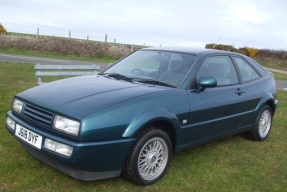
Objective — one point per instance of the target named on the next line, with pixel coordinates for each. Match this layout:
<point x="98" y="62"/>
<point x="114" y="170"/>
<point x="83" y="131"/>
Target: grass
<point x="272" y="62"/>
<point x="230" y="164"/>
<point x="279" y="76"/>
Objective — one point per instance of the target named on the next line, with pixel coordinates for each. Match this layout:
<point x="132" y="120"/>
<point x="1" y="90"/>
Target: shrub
<point x="278" y="54"/>
<point x="3" y="31"/>
<point x="251" y="52"/>
<point x="221" y="47"/>
<point x="82" y="48"/>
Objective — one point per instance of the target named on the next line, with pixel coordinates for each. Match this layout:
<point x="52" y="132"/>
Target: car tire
<point x="262" y="126"/>
<point x="149" y="157"/>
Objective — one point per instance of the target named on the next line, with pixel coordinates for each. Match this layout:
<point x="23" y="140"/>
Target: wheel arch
<point x="165" y="120"/>
<point x="164" y="126"/>
<point x="269" y="100"/>
<point x="271" y="104"/>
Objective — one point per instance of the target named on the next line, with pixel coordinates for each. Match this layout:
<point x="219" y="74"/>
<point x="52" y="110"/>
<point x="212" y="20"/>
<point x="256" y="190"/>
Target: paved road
<point x="276" y="70"/>
<point x="44" y="61"/>
<point x="282" y="85"/>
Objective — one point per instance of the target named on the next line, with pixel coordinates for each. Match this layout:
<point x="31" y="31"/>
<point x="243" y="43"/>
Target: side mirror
<point x="206" y="82"/>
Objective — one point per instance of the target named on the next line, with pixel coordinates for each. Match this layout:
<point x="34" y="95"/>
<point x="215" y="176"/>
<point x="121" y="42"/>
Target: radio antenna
<point x="217" y="41"/>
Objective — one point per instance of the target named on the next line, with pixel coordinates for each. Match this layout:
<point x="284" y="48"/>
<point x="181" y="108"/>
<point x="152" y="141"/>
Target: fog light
<point x="57" y="147"/>
<point x="10" y="123"/>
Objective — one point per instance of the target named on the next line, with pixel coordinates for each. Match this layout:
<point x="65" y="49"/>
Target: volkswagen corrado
<point x="132" y="117"/>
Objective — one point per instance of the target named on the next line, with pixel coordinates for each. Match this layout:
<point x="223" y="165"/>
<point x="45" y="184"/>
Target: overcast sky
<point x="189" y="23"/>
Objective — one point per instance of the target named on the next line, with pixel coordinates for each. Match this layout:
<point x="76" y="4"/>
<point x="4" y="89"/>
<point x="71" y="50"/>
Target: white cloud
<point x="253" y="23"/>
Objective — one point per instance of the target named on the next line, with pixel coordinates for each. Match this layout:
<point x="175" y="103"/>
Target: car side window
<point x="221" y="68"/>
<point x="247" y="73"/>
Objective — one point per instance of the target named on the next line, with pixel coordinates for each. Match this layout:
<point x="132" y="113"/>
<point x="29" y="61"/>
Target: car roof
<point x="189" y="50"/>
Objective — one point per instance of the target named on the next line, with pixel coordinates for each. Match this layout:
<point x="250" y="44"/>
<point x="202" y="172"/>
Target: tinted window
<point x="220" y="67"/>
<point x="247" y="73"/>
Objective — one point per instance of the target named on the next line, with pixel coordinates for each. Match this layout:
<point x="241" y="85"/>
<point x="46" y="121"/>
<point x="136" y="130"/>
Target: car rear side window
<point x="247" y="73"/>
<point x="220" y="67"/>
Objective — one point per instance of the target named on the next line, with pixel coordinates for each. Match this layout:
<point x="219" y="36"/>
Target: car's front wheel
<point x="262" y="125"/>
<point x="149" y="157"/>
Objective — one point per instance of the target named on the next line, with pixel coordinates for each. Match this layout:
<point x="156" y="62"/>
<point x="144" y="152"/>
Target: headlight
<point x="66" y="125"/>
<point x="17" y="105"/>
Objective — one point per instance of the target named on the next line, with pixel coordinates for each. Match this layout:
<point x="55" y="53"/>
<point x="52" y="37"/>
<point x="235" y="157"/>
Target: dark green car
<point x="130" y="119"/>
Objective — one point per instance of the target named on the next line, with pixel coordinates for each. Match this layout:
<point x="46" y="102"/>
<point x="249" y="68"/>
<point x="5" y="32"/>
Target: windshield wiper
<point x="123" y="77"/>
<point x="118" y="76"/>
<point x="155" y="82"/>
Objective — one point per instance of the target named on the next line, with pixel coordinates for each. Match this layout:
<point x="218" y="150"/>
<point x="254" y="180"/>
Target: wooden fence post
<point x="106" y="38"/>
<point x="37" y="33"/>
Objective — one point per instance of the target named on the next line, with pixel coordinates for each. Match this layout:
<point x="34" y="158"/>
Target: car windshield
<point x="154" y="67"/>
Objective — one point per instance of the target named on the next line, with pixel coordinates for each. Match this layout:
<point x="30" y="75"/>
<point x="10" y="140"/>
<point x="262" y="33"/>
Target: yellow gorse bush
<point x="3" y="31"/>
<point x="251" y="52"/>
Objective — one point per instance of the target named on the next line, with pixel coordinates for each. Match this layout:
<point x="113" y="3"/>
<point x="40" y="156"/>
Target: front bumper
<point x="89" y="160"/>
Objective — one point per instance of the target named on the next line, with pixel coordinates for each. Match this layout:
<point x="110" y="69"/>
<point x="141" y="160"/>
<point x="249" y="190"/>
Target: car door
<point x="219" y="110"/>
<point x="253" y="88"/>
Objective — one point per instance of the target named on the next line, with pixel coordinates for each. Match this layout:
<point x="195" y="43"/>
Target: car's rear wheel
<point x="149" y="157"/>
<point x="262" y="125"/>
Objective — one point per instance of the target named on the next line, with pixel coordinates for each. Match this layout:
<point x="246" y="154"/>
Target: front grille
<point x="38" y="115"/>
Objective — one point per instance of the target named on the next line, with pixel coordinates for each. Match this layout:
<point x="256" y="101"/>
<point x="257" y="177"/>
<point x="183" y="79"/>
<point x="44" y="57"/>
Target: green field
<point x="230" y="164"/>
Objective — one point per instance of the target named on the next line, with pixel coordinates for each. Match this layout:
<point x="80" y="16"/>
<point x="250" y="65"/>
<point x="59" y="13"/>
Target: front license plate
<point x="28" y="136"/>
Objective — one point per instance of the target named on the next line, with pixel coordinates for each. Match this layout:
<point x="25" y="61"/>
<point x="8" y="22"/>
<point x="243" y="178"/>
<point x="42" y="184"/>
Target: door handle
<point x="239" y="91"/>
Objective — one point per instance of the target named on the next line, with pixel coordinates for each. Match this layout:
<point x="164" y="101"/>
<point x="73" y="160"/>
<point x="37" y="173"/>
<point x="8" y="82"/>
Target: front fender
<point x="126" y="119"/>
<point x="140" y="121"/>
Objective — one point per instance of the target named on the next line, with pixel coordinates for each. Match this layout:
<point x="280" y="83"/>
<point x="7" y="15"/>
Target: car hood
<point x="79" y="96"/>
